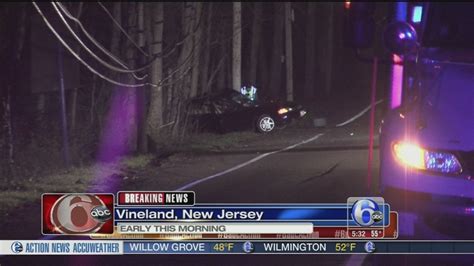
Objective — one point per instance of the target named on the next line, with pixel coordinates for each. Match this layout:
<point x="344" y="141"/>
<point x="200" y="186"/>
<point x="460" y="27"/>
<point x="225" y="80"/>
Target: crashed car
<point x="232" y="111"/>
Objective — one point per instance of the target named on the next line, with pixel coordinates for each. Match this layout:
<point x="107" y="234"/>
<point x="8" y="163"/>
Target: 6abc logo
<point x="77" y="213"/>
<point x="366" y="212"/>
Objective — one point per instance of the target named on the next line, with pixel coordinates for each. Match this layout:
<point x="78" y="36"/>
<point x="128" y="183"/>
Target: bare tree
<point x="14" y="24"/>
<point x="289" y="51"/>
<point x="184" y="62"/>
<point x="276" y="65"/>
<point x="184" y="66"/>
<point x="197" y="25"/>
<point x="155" y="112"/>
<point x="131" y="94"/>
<point x="207" y="51"/>
<point x="310" y="51"/>
<point x="141" y="92"/>
<point x="256" y="38"/>
<point x="329" y="53"/>
<point x="237" y="46"/>
<point x="73" y="106"/>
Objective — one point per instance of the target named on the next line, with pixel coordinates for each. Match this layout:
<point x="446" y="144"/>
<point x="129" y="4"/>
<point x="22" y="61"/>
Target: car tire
<point x="265" y="124"/>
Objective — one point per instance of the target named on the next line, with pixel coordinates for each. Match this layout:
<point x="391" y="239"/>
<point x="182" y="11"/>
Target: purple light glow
<point x="397" y="78"/>
<point x="401" y="35"/>
<point x="115" y="140"/>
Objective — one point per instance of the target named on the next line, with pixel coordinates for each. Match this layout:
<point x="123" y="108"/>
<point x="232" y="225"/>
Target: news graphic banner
<point x="168" y="222"/>
<point x="124" y="247"/>
<point x="176" y="215"/>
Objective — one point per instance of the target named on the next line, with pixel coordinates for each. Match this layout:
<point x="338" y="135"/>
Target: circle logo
<point x="366" y="212"/>
<point x="369" y="247"/>
<point x="16" y="247"/>
<point x="248" y="247"/>
<point x="74" y="214"/>
<point x="101" y="213"/>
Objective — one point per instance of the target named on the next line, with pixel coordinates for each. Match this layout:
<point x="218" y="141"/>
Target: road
<point x="329" y="167"/>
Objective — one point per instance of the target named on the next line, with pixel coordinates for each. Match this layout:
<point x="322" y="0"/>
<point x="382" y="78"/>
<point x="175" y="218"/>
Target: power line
<point x="105" y="51"/>
<point x="89" y="50"/>
<point x="141" y="68"/>
<point x="80" y="59"/>
<point x="123" y="30"/>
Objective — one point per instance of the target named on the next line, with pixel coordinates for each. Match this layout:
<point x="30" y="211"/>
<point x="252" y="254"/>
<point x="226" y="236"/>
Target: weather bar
<point x="76" y="247"/>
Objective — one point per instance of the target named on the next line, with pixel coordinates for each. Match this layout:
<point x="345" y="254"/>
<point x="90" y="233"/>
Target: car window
<point x="243" y="100"/>
<point x="224" y="105"/>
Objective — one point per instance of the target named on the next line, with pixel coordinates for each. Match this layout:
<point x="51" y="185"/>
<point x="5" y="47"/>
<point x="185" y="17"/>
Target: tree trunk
<point x="141" y="92"/>
<point x="329" y="55"/>
<point x="183" y="90"/>
<point x="237" y="46"/>
<point x="207" y="52"/>
<point x="276" y="66"/>
<point x="17" y="17"/>
<point x="221" y="77"/>
<point x="170" y="96"/>
<point x="115" y="42"/>
<point x="197" y="37"/>
<point x="187" y="49"/>
<point x="155" y="112"/>
<point x="7" y="116"/>
<point x="256" y="38"/>
<point x="289" y="51"/>
<point x="263" y="68"/>
<point x="73" y="99"/>
<point x="131" y="93"/>
<point x="310" y="52"/>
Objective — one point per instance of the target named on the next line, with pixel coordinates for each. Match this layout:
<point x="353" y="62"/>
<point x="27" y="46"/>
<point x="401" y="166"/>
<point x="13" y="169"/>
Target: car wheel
<point x="265" y="124"/>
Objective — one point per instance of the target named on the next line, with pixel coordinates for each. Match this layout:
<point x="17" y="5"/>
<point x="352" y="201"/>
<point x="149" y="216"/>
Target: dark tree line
<point x="178" y="51"/>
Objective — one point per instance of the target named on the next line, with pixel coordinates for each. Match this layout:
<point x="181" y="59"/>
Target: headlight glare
<point x="416" y="157"/>
<point x="283" y="111"/>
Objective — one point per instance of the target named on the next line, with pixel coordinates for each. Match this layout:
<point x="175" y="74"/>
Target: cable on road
<point x="359" y="114"/>
<point x="258" y="158"/>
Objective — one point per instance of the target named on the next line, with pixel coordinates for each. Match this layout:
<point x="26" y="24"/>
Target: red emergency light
<point x="347" y="4"/>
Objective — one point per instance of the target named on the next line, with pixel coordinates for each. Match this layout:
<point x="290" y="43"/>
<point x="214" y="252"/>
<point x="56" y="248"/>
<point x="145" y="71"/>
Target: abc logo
<point x="101" y="213"/>
<point x="366" y="212"/>
<point x="79" y="214"/>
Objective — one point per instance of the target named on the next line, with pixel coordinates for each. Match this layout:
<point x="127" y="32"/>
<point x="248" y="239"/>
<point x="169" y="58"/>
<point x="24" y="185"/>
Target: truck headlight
<point x="416" y="157"/>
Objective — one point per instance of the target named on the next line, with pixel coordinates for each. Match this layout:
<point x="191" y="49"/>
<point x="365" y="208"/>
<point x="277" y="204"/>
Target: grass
<point x="25" y="190"/>
<point x="216" y="142"/>
<point x="137" y="162"/>
<point x="22" y="191"/>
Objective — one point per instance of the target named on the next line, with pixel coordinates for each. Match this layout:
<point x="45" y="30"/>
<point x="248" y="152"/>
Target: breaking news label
<point x="155" y="198"/>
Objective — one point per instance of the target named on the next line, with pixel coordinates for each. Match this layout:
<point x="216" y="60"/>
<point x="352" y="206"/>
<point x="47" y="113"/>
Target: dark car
<point x="233" y="111"/>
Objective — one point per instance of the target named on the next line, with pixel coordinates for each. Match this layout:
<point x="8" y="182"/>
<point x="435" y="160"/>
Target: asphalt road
<point x="330" y="168"/>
